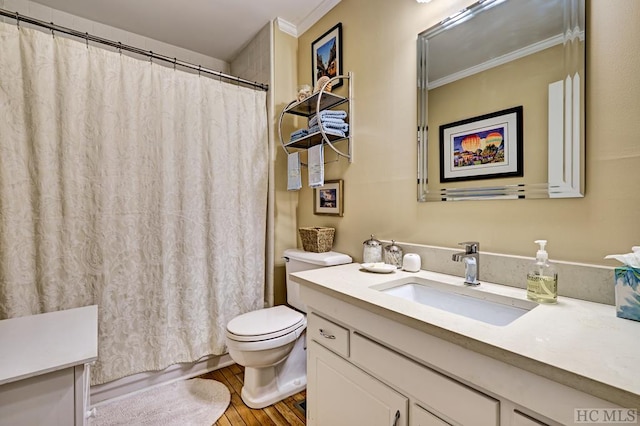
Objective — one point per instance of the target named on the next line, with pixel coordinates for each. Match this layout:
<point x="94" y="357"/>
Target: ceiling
<point x="216" y="28"/>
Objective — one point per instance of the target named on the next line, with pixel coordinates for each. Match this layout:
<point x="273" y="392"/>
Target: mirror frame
<point x="566" y="136"/>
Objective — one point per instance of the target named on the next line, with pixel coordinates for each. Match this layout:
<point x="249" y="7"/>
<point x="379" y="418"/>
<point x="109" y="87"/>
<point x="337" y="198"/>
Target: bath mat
<point x="195" y="402"/>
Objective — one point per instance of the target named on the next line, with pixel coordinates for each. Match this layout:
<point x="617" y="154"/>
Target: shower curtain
<point x="133" y="186"/>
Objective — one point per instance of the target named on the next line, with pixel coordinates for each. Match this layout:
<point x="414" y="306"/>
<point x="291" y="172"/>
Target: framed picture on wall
<point x="329" y="198"/>
<point x="326" y="56"/>
<point x="485" y="147"/>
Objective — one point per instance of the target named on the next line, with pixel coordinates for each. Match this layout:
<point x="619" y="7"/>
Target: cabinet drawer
<point x="328" y="334"/>
<point x="445" y="396"/>
<point x="520" y="419"/>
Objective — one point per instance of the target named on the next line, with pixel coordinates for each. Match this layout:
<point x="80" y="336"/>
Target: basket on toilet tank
<point x="317" y="239"/>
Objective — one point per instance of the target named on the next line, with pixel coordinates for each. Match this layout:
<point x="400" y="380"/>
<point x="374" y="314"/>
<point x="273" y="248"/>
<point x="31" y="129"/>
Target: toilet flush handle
<point x="326" y="335"/>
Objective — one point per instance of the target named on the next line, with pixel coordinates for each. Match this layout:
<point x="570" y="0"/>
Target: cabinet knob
<point x="326" y="335"/>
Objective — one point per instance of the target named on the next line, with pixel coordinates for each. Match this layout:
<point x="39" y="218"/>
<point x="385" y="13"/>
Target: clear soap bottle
<point x="542" y="279"/>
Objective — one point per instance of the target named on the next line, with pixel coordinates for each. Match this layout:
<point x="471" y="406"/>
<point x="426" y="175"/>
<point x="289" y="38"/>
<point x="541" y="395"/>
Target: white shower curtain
<point x="132" y="186"/>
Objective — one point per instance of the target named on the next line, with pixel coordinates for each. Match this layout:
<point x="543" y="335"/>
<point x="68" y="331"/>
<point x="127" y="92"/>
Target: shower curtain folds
<point x="132" y="186"/>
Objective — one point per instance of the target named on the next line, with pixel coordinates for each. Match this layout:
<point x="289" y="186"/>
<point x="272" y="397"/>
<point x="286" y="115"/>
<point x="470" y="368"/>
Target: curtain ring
<point x="199" y="70"/>
<point x="120" y="47"/>
<point x="86" y="39"/>
<point x="175" y="62"/>
<point x="18" y="20"/>
<point x="151" y="56"/>
<point x="52" y="33"/>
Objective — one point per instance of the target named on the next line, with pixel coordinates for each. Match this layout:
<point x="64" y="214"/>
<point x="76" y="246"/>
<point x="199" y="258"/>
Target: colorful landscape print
<point x="478" y="148"/>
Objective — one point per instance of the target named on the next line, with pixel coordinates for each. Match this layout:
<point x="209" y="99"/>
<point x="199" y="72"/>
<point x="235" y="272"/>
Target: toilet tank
<point x="300" y="260"/>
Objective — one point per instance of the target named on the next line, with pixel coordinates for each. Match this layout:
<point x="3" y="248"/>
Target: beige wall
<point x="380" y="185"/>
<point x="285" y="54"/>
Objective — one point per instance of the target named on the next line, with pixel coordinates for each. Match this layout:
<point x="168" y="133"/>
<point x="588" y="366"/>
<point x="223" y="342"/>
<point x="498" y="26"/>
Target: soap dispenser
<point x="542" y="279"/>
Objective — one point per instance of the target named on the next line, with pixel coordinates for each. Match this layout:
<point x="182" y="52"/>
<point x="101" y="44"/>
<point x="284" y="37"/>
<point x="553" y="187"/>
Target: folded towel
<point x="330" y="119"/>
<point x="331" y="127"/>
<point x="299" y="134"/>
<point x="335" y="132"/>
<point x="335" y="113"/>
<point x="315" y="158"/>
<point x="294" y="180"/>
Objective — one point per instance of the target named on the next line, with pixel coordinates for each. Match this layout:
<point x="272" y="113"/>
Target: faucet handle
<point x="470" y="246"/>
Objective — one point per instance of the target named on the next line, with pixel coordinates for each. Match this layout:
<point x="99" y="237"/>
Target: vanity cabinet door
<point x="340" y="394"/>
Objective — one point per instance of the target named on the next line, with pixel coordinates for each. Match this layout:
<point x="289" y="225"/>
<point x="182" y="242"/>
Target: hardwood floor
<point x="283" y="413"/>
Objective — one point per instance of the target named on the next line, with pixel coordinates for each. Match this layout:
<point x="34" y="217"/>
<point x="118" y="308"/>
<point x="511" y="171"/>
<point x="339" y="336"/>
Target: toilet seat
<point x="265" y="324"/>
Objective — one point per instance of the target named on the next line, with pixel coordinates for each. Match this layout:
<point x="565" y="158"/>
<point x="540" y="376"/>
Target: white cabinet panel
<point x="47" y="399"/>
<point x="449" y="397"/>
<point x="422" y="417"/>
<point x="340" y="394"/>
<point x="520" y="419"/>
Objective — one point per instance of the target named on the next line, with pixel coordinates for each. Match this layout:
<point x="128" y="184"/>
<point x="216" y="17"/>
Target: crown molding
<point x="322" y="9"/>
<point x="287" y="27"/>
<point x="308" y="21"/>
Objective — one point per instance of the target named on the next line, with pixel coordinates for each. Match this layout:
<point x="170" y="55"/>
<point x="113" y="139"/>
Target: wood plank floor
<point x="283" y="413"/>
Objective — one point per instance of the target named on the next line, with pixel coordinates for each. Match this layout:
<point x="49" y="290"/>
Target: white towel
<point x="315" y="158"/>
<point x="294" y="180"/>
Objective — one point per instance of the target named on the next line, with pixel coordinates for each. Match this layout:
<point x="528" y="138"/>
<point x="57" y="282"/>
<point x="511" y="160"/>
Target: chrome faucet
<point x="471" y="258"/>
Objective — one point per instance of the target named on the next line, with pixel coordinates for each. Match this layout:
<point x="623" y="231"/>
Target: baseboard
<point x="137" y="382"/>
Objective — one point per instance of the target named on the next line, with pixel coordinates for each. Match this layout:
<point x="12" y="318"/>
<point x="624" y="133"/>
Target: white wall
<point x="254" y="61"/>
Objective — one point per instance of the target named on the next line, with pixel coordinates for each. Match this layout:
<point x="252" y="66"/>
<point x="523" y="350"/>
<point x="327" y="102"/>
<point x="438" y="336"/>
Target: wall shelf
<point x="313" y="105"/>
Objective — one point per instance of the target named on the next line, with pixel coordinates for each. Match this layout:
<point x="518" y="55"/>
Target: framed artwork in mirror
<point x="326" y="56"/>
<point x="485" y="147"/>
<point x="329" y="198"/>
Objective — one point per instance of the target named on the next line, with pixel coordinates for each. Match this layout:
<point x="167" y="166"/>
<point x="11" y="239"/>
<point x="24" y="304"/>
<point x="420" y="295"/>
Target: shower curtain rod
<point x="150" y="54"/>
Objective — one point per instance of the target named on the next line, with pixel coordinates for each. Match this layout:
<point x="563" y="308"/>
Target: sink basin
<point x="468" y="302"/>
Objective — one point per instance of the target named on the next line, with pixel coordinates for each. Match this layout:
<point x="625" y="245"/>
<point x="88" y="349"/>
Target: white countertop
<point x="567" y="341"/>
<point x="38" y="344"/>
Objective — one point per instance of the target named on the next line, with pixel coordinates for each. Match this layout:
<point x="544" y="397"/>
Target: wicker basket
<point x="317" y="239"/>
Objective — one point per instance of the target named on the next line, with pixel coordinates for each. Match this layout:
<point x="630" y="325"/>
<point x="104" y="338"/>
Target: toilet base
<point x="268" y="385"/>
<point x="272" y="397"/>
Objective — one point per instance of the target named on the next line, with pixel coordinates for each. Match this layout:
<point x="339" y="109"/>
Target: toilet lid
<point x="265" y="324"/>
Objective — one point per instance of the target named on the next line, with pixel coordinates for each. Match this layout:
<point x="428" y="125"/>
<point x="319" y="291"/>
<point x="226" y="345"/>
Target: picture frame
<point x="329" y="198"/>
<point x="488" y="146"/>
<point x="326" y="56"/>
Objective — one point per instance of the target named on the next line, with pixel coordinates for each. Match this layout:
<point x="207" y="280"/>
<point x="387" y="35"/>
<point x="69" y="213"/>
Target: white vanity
<point x="44" y="378"/>
<point x="378" y="359"/>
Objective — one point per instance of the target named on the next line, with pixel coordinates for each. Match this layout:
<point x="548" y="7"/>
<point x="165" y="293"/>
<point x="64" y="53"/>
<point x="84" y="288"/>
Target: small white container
<point x="411" y="262"/>
<point x="372" y="251"/>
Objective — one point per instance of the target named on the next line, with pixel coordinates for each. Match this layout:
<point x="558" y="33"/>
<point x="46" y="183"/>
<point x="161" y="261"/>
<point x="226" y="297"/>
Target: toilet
<point x="270" y="343"/>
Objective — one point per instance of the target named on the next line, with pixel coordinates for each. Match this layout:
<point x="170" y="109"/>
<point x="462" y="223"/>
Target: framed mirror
<point x="501" y="102"/>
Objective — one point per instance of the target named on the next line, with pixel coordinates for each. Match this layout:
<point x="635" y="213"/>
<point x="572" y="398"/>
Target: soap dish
<point x="379" y="267"/>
